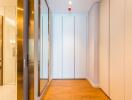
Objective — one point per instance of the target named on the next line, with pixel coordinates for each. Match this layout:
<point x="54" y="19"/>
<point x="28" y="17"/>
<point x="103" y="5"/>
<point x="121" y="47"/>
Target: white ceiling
<point x="77" y="5"/>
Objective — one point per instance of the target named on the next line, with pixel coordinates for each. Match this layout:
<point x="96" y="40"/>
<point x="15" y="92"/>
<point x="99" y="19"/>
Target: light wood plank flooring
<point x="73" y="90"/>
<point x="42" y="84"/>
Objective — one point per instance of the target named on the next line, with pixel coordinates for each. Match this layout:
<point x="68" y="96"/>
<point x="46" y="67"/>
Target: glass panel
<point x="44" y="45"/>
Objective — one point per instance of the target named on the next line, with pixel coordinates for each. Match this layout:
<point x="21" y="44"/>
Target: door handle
<point x="25" y="63"/>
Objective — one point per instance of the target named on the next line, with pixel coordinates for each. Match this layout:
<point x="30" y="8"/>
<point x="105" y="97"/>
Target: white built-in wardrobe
<point x="70" y="45"/>
<point x="75" y="45"/>
<point x="116" y="48"/>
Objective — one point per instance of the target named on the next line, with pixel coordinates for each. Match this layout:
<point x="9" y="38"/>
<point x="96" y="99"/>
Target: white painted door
<point x="68" y="46"/>
<point x="93" y="30"/>
<point x="104" y="46"/>
<point x="80" y="45"/>
<point x="57" y="46"/>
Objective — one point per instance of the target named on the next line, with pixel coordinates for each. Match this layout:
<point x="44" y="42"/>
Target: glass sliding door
<point x="1" y="50"/>
<point x="44" y="46"/>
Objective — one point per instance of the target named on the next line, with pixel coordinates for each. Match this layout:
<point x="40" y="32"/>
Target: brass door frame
<point x="25" y="50"/>
<point x="20" y="21"/>
<point x="22" y="50"/>
<point x="25" y="72"/>
<point x="1" y="61"/>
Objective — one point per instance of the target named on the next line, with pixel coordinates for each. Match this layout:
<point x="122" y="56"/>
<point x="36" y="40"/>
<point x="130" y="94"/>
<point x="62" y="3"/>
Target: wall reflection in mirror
<point x="44" y="46"/>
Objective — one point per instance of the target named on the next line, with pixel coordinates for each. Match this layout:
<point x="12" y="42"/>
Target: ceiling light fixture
<point x="70" y="6"/>
<point x="70" y="2"/>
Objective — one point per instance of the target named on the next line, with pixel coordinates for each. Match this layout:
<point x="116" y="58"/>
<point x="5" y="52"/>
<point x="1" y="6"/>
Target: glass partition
<point x="44" y="46"/>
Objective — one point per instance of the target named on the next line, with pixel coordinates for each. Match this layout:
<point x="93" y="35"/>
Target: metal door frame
<point x="25" y="49"/>
<point x="1" y="61"/>
<point x="22" y="49"/>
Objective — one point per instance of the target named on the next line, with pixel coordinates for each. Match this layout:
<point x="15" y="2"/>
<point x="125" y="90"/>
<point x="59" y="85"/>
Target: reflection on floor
<point x="73" y="90"/>
<point x="8" y="92"/>
<point x="42" y="84"/>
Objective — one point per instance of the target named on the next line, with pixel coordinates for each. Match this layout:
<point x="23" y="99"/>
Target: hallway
<point x="65" y="49"/>
<point x="73" y="90"/>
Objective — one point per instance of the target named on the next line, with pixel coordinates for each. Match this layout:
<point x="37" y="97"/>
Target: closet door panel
<point x="93" y="31"/>
<point x="57" y="46"/>
<point x="104" y="46"/>
<point x="117" y="26"/>
<point x="68" y="46"/>
<point x="80" y="46"/>
<point x="128" y="69"/>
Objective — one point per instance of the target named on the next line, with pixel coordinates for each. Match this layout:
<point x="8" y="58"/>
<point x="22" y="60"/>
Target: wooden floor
<point x="42" y="84"/>
<point x="73" y="90"/>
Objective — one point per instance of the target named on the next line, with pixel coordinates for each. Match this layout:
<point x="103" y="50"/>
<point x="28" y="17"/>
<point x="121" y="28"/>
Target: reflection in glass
<point x="44" y="45"/>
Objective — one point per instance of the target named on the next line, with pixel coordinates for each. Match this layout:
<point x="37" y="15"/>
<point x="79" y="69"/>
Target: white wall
<point x="8" y="10"/>
<point x="69" y="45"/>
<point x="104" y="46"/>
<point x="93" y="30"/>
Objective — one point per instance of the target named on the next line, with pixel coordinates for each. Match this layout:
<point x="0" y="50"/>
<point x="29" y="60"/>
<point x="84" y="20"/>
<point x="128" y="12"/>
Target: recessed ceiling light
<point x="70" y="2"/>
